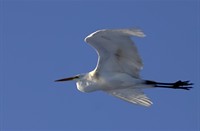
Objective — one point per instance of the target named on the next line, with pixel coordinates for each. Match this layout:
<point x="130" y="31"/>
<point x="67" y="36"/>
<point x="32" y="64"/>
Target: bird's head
<point x="82" y="82"/>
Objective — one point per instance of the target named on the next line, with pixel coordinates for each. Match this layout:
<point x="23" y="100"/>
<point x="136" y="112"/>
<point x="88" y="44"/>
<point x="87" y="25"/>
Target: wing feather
<point x="135" y="96"/>
<point x="117" y="52"/>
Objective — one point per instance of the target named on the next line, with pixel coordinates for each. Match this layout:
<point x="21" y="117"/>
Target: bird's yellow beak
<point x="67" y="79"/>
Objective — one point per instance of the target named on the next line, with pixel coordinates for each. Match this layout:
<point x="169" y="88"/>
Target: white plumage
<point x="118" y="67"/>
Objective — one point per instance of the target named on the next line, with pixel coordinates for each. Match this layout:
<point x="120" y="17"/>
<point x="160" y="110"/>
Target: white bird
<point x="118" y="68"/>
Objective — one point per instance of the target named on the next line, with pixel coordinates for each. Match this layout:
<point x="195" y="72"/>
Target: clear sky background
<point x="43" y="40"/>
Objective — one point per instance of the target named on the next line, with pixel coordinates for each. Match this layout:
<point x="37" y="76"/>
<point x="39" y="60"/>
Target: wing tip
<point x="133" y="96"/>
<point x="127" y="31"/>
<point x="136" y="32"/>
<point x="146" y="103"/>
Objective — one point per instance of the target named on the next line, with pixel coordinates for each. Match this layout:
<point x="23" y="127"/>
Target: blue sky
<point x="43" y="40"/>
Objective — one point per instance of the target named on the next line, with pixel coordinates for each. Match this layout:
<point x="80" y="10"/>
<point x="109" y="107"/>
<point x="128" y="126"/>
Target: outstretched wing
<point x="117" y="52"/>
<point x="135" y="96"/>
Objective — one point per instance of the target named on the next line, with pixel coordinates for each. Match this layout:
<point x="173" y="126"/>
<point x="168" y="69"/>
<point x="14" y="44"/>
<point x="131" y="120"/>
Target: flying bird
<point x="118" y="68"/>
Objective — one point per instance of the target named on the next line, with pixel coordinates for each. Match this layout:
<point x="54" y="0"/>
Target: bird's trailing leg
<point x="186" y="85"/>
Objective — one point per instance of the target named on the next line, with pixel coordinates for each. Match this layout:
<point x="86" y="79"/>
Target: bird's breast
<point x="87" y="86"/>
<point x="106" y="81"/>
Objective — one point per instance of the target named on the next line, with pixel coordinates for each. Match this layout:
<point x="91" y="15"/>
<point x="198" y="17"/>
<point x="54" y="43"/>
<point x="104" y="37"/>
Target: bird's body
<point x="118" y="68"/>
<point x="107" y="81"/>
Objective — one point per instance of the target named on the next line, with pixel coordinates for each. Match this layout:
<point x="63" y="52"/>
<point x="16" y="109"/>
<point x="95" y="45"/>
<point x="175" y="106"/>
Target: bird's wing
<point x="117" y="52"/>
<point x="135" y="96"/>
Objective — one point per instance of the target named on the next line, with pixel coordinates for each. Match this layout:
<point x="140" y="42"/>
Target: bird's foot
<point x="182" y="85"/>
<point x="186" y="85"/>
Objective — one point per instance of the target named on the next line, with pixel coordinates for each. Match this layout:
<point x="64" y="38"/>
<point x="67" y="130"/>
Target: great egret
<point x="118" y="67"/>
